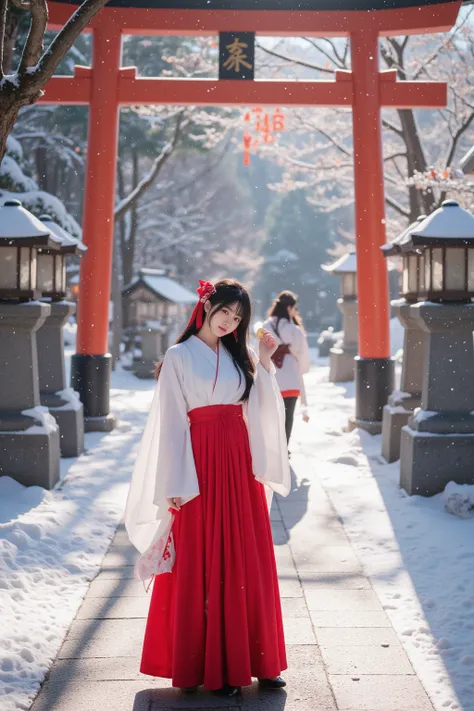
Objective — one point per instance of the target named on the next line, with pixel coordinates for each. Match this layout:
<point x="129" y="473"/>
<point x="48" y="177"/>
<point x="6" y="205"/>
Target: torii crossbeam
<point x="105" y="87"/>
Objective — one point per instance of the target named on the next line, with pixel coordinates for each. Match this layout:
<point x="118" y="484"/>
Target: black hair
<point x="229" y="291"/>
<point x="284" y="301"/>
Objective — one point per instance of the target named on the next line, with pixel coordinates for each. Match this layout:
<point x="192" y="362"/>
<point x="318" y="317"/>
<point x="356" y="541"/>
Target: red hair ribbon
<point x="204" y="290"/>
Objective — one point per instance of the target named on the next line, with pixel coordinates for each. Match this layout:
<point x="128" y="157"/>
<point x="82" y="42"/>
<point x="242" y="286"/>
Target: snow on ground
<point x="52" y="544"/>
<point x="418" y="555"/>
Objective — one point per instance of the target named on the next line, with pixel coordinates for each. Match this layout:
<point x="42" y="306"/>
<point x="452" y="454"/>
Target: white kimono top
<point x="296" y="363"/>
<point x="165" y="466"/>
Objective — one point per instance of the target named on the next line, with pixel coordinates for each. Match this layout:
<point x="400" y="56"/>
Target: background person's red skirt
<point x="216" y="618"/>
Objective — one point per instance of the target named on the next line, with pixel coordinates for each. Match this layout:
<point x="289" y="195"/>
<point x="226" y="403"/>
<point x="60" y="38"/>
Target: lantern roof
<point x="19" y="227"/>
<point x="347" y="264"/>
<point x="68" y="243"/>
<point x="394" y="247"/>
<point x="448" y="226"/>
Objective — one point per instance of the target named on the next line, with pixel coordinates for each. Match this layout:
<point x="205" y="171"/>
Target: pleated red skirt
<point x="216" y="618"/>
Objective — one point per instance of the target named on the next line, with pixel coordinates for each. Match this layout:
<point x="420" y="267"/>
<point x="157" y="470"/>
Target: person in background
<point x="291" y="358"/>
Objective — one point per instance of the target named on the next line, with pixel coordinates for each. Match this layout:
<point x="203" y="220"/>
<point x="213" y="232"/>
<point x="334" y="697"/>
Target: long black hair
<point x="228" y="292"/>
<point x="280" y="308"/>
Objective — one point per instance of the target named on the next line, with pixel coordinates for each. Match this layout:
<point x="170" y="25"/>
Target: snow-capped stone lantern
<point x="445" y="245"/>
<point x="51" y="263"/>
<point x="403" y="402"/>
<point x="413" y="262"/>
<point x="21" y="234"/>
<point x="344" y="351"/>
<point x="62" y="402"/>
<point x="437" y="444"/>
<point x="29" y="436"/>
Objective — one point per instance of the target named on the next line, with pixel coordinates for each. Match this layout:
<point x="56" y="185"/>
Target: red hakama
<point x="216" y="618"/>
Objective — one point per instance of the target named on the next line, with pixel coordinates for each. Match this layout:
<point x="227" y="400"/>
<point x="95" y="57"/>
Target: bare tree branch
<point x="294" y="60"/>
<point x="318" y="47"/>
<point x="3" y="24"/>
<point x="396" y="206"/>
<point x="38" y="24"/>
<point x="460" y="132"/>
<point x="391" y="126"/>
<point x="125" y="204"/>
<point x="63" y="41"/>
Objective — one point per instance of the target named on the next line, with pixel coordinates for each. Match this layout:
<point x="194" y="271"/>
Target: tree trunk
<point x="128" y="244"/>
<point x="419" y="203"/>
<point x="11" y="33"/>
<point x="8" y="115"/>
<point x="42" y="168"/>
<point x="116" y="298"/>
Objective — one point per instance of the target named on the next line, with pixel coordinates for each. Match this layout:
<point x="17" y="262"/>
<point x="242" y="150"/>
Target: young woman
<point x="292" y="355"/>
<point x="197" y="509"/>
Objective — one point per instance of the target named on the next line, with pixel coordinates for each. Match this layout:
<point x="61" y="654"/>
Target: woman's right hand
<point x="175" y="503"/>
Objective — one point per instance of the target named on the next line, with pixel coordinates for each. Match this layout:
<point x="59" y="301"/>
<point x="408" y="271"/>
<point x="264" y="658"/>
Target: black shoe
<point x="228" y="691"/>
<point x="277" y="683"/>
<point x="189" y="689"/>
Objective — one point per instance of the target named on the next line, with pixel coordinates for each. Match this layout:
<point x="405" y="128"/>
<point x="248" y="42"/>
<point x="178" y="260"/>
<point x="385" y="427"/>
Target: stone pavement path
<point x="343" y="653"/>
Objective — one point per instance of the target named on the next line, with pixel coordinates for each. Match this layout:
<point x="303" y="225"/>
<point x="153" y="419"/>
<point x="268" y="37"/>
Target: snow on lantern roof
<point x="164" y="287"/>
<point x="395" y="246"/>
<point x="449" y="225"/>
<point x="69" y="243"/>
<point x="20" y="227"/>
<point x="344" y="265"/>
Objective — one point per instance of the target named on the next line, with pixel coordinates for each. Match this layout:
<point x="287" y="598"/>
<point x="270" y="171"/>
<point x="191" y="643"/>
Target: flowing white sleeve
<point x="299" y="348"/>
<point x="266" y="426"/>
<point x="165" y="463"/>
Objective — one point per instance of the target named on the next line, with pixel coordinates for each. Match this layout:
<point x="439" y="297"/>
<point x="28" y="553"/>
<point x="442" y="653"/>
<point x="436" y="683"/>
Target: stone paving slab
<point x="355" y="600"/>
<point x="357" y="636"/>
<point x="366" y="660"/>
<point x="334" y="581"/>
<point x="328" y="559"/>
<point x="381" y="691"/>
<point x="348" y="618"/>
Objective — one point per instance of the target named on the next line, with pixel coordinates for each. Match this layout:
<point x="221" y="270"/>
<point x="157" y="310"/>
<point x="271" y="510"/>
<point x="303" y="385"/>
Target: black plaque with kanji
<point x="236" y="55"/>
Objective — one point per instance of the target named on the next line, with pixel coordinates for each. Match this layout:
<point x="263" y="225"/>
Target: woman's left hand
<point x="266" y="348"/>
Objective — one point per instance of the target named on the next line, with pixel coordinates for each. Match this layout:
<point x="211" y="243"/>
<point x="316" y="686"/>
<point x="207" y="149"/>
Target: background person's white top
<point x="165" y="463"/>
<point x="297" y="362"/>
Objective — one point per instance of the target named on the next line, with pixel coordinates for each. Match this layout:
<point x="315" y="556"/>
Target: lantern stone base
<point x="430" y="461"/>
<point x="32" y="459"/>
<point x="341" y="365"/>
<point x="90" y="378"/>
<point x="396" y="414"/>
<point x="374" y="381"/>
<point x="107" y="423"/>
<point x="144" y="369"/>
<point x="70" y="419"/>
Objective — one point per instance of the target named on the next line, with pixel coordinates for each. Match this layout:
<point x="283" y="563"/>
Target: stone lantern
<point x="403" y="402"/>
<point x="29" y="436"/>
<point x="344" y="351"/>
<point x="437" y="444"/>
<point x="63" y="402"/>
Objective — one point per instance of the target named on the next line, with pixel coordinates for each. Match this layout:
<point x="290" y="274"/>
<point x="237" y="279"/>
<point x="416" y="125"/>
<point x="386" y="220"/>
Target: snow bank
<point x="52" y="545"/>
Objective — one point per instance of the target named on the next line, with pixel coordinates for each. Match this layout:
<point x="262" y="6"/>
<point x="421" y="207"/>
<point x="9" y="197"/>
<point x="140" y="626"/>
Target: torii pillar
<point x="106" y="87"/>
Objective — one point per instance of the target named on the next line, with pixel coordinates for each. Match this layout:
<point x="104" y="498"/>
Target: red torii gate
<point x="106" y="87"/>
